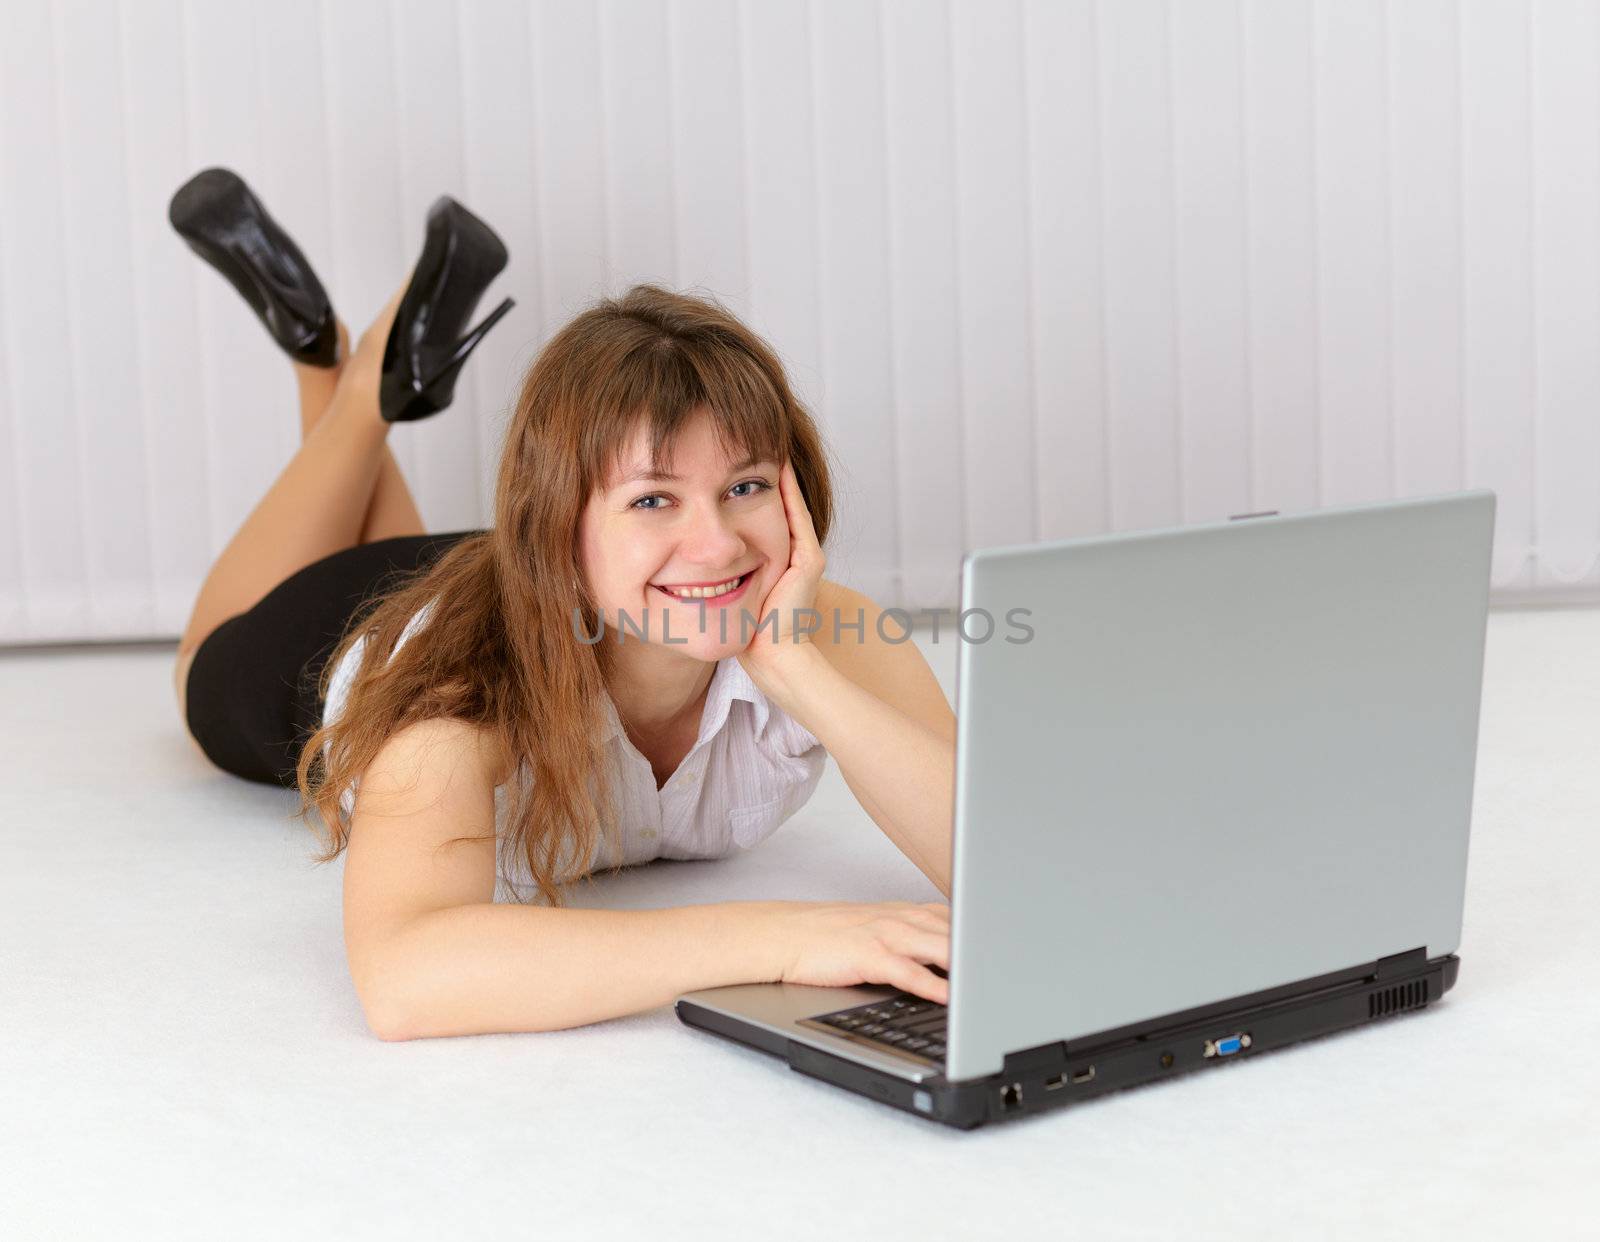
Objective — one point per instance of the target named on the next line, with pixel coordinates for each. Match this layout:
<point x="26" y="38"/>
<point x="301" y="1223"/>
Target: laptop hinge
<point x="1407" y="963"/>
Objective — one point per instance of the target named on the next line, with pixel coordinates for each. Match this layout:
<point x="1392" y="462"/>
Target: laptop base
<point x="1061" y="1073"/>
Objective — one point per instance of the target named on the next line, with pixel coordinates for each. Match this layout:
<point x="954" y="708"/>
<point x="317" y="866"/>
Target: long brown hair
<point x="499" y="649"/>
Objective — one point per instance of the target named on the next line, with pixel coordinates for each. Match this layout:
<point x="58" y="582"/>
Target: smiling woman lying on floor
<point x="640" y="658"/>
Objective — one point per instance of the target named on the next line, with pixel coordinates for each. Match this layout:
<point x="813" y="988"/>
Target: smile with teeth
<point x="726" y="588"/>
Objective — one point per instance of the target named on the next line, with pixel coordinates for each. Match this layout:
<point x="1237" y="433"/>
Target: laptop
<point x="1217" y="803"/>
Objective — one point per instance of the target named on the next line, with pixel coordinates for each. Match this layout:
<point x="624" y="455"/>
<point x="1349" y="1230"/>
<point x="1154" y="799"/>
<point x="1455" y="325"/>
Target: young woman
<point x="627" y="665"/>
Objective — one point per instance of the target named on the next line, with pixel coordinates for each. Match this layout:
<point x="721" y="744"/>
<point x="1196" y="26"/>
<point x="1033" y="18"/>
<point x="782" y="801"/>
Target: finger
<point x="800" y="523"/>
<point x="918" y="980"/>
<point x="924" y="946"/>
<point x="927" y="920"/>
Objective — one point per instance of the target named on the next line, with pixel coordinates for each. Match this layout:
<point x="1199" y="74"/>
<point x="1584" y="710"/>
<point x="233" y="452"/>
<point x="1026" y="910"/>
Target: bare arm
<point x="430" y="951"/>
<point x="474" y="969"/>
<point x="877" y="708"/>
<point x="901" y="771"/>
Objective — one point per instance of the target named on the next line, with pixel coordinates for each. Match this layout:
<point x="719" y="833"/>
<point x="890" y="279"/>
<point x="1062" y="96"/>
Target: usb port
<point x="1084" y="1075"/>
<point x="1054" y="1081"/>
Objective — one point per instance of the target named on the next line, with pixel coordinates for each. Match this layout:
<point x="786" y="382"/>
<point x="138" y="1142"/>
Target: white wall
<point x="1043" y="268"/>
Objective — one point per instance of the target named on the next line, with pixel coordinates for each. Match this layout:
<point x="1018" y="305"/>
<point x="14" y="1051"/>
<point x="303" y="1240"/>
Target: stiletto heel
<point x="224" y="223"/>
<point x="445" y="377"/>
<point x="426" y="348"/>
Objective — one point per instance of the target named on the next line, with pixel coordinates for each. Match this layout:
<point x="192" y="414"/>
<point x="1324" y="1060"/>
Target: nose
<point x="712" y="539"/>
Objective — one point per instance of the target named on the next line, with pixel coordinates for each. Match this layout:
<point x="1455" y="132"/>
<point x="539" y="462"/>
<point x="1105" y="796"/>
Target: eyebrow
<point x="662" y="476"/>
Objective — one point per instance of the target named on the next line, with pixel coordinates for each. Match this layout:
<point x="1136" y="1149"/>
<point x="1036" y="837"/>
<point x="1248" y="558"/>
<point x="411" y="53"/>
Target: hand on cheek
<point x="793" y="596"/>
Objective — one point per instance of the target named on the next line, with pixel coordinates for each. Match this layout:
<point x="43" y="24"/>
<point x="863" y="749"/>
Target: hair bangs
<point x="663" y="385"/>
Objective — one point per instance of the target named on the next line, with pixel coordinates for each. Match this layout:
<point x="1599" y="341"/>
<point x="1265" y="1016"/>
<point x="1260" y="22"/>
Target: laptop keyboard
<point x="905" y="1023"/>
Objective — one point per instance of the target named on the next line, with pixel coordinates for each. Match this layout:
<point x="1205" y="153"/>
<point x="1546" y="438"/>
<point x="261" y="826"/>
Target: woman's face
<point x="647" y="541"/>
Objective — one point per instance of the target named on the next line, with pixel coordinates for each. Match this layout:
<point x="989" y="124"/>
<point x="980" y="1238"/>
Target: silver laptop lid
<point x="1231" y="756"/>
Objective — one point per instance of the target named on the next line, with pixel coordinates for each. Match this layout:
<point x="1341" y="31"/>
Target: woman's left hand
<point x="793" y="596"/>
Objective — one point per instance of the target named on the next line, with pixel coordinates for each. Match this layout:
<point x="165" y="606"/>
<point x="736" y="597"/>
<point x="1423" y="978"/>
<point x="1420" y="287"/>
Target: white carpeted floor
<point x="182" y="1056"/>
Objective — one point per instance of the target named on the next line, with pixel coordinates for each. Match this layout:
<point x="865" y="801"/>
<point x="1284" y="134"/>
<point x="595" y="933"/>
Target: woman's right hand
<point x="838" y="944"/>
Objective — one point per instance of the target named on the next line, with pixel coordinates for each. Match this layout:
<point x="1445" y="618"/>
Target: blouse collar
<point x="728" y="683"/>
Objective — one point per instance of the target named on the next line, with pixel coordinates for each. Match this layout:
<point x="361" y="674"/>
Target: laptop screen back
<point x="1229" y="757"/>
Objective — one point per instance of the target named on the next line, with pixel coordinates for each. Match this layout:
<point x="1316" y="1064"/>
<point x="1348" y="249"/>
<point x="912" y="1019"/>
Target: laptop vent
<point x="1397" y="999"/>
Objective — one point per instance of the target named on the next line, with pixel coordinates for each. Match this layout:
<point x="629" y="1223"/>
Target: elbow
<point x="390" y="1029"/>
<point x="389" y="1021"/>
<point x="386" y="1004"/>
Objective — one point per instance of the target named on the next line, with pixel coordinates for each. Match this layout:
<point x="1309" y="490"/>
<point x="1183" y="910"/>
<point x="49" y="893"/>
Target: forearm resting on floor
<point x="501" y="967"/>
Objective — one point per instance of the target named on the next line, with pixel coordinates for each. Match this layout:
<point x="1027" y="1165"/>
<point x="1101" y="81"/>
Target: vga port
<point x="1227" y="1045"/>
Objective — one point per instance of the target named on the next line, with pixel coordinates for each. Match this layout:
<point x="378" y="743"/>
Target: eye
<point x="761" y="485"/>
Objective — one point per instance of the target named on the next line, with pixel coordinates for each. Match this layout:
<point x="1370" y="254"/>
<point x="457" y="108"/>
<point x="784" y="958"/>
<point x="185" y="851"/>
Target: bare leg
<point x="320" y="503"/>
<point x="318" y="384"/>
<point x="391" y="511"/>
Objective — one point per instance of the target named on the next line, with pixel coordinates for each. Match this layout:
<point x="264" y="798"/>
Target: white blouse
<point x="751" y="767"/>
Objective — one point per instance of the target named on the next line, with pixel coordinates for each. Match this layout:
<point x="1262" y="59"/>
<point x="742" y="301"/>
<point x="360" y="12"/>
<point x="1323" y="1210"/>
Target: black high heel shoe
<point x="426" y="349"/>
<point x="226" y="225"/>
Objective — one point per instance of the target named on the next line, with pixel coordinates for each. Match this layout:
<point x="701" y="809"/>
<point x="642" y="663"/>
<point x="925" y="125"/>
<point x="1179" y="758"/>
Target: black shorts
<point x="252" y="696"/>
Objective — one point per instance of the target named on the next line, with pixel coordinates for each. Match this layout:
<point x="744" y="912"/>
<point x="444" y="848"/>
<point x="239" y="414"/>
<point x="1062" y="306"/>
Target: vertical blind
<point x="1041" y="268"/>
